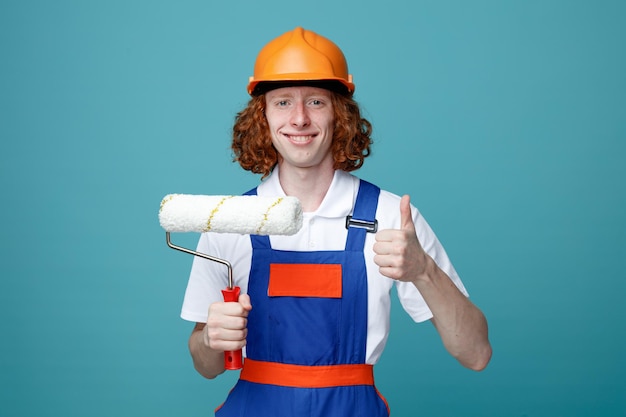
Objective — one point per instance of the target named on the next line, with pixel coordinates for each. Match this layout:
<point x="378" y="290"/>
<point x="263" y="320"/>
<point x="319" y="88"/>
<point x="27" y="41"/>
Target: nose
<point x="300" y="116"/>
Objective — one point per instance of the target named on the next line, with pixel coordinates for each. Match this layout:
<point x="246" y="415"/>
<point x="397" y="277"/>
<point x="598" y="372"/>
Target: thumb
<point x="406" y="219"/>
<point x="244" y="300"/>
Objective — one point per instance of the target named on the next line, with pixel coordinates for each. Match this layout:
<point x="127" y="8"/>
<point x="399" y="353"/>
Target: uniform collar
<point x="338" y="201"/>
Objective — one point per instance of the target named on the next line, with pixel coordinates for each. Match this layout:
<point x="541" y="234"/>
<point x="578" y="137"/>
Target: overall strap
<point x="258" y="241"/>
<point x="364" y="214"/>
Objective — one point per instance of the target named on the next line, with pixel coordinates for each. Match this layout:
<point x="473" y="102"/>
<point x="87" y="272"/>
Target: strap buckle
<point x="369" y="226"/>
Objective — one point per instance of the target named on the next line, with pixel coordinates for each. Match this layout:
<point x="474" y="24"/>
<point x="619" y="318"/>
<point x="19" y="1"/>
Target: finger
<point x="383" y="261"/>
<point x="384" y="247"/>
<point x="390" y="272"/>
<point x="406" y="219"/>
<point x="386" y="235"/>
<point x="233" y="323"/>
<point x="225" y="339"/>
<point x="227" y="308"/>
<point x="244" y="300"/>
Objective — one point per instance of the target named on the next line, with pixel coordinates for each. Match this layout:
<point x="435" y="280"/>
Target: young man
<point x="314" y="309"/>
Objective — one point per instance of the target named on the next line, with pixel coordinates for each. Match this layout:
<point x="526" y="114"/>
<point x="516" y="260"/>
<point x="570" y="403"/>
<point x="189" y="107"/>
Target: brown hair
<point x="252" y="143"/>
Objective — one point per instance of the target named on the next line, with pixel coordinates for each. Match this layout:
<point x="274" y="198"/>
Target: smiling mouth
<point x="300" y="138"/>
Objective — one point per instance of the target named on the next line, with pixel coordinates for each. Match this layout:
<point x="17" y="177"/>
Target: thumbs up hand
<point x="398" y="252"/>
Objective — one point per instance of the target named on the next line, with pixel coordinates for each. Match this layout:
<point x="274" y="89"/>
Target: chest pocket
<point x="305" y="280"/>
<point x="304" y="312"/>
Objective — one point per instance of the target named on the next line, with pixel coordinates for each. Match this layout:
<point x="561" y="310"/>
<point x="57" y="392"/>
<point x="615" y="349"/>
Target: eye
<point x="280" y="103"/>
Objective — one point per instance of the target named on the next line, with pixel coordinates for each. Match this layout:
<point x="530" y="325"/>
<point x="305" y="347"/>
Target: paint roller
<point x="246" y="215"/>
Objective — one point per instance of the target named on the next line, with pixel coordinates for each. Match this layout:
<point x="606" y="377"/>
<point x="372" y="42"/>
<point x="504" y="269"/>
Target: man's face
<point x="301" y="125"/>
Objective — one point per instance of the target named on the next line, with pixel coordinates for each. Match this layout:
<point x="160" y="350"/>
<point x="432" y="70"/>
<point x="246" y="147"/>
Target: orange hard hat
<point x="300" y="56"/>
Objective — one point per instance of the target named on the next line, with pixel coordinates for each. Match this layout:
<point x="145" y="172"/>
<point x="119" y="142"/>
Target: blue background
<point x="504" y="120"/>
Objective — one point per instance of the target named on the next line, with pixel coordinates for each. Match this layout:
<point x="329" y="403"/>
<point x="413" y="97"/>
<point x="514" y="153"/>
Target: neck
<point x="309" y="186"/>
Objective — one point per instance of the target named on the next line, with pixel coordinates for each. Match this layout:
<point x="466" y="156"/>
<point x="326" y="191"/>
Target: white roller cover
<point x="231" y="214"/>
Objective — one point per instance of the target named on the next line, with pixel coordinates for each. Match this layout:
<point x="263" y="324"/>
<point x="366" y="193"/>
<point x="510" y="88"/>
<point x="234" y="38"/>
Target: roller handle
<point x="233" y="358"/>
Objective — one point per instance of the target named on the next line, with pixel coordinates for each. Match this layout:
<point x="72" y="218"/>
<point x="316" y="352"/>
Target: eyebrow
<point x="304" y="97"/>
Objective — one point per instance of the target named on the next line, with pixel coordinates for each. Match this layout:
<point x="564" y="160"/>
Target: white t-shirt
<point x="323" y="229"/>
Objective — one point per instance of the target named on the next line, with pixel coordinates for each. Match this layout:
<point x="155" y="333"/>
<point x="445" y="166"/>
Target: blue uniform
<point x="307" y="331"/>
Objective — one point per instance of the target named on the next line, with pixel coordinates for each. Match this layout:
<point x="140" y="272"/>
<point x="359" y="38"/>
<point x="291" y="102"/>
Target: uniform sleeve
<point x="208" y="278"/>
<point x="203" y="287"/>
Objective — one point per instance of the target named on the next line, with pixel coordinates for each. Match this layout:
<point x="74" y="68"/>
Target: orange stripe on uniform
<point x="305" y="280"/>
<point x="302" y="376"/>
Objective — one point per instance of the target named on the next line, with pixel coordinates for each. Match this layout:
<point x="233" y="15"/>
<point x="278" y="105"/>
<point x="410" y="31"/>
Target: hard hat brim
<point x="340" y="86"/>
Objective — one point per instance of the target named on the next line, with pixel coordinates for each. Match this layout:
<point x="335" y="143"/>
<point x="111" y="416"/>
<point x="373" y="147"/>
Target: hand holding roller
<point x="229" y="214"/>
